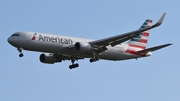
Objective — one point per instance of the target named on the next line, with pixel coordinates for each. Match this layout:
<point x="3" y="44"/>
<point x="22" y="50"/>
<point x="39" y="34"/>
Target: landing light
<point x="149" y="54"/>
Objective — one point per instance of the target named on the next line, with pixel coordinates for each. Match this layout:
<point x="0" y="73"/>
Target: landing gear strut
<point x="20" y="51"/>
<point x="73" y="65"/>
<point x="95" y="57"/>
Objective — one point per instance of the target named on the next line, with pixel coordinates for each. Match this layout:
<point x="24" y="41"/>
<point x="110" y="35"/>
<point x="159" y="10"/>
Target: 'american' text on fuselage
<point x="55" y="39"/>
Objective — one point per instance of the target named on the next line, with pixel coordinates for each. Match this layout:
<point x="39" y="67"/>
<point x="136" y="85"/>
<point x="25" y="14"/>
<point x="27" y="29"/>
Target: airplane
<point x="57" y="48"/>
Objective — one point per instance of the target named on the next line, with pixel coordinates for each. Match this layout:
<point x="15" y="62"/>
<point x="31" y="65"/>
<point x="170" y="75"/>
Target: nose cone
<point x="12" y="41"/>
<point x="9" y="40"/>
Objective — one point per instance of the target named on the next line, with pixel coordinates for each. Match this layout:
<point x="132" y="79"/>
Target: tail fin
<point x="140" y="41"/>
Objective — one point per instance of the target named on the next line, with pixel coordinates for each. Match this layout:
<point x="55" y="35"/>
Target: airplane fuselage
<point x="49" y="43"/>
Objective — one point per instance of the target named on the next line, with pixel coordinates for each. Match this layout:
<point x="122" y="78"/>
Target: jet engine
<point x="82" y="47"/>
<point x="48" y="58"/>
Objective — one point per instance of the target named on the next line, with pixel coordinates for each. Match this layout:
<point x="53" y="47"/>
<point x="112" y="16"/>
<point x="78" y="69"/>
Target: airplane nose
<point x="9" y="40"/>
<point x="14" y="39"/>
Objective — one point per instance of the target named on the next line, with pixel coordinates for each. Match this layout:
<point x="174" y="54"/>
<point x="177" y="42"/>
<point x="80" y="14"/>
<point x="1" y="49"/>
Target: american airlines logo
<point x="34" y="36"/>
<point x="55" y="39"/>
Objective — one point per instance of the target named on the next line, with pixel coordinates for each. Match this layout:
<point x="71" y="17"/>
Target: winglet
<point x="160" y="21"/>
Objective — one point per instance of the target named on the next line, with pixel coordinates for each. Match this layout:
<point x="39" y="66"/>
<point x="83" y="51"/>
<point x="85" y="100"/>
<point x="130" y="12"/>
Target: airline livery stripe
<point x="135" y="52"/>
<point x="150" y="21"/>
<point x="143" y="41"/>
<point x="134" y="48"/>
<point x="144" y="37"/>
<point x="145" y="34"/>
<point x="145" y="26"/>
<point x="137" y="37"/>
<point x="139" y="40"/>
<point x="137" y="43"/>
<point x="137" y="46"/>
<point x="149" y="24"/>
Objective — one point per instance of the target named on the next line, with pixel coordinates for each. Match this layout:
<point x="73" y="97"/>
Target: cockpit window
<point x="15" y="35"/>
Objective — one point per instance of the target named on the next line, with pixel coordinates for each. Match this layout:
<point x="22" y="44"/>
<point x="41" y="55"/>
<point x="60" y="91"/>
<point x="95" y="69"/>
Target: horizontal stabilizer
<point x="154" y="48"/>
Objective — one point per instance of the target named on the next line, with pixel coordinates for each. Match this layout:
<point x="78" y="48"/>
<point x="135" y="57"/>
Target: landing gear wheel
<point x="91" y="60"/>
<point x="70" y="66"/>
<point x="76" y="65"/>
<point x="21" y="55"/>
<point x="73" y="66"/>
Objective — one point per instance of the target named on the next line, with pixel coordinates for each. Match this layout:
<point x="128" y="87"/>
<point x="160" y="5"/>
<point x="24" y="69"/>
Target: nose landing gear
<point x="20" y="51"/>
<point x="21" y="55"/>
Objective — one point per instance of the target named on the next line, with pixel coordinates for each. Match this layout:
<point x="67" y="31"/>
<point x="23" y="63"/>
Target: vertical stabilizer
<point x="140" y="42"/>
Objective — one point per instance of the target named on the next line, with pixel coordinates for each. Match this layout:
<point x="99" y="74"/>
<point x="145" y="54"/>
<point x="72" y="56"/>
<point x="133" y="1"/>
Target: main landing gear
<point x="93" y="60"/>
<point x="20" y="51"/>
<point x="95" y="57"/>
<point x="73" y="65"/>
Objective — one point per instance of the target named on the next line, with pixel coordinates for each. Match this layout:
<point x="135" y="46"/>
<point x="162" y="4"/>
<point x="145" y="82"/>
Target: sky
<point x="155" y="78"/>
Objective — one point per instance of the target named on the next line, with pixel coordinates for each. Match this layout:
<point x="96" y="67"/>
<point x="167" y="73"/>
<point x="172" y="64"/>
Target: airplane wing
<point x="154" y="48"/>
<point x="115" y="40"/>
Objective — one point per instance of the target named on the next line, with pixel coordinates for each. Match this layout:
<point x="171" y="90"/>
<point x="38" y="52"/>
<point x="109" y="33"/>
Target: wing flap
<point x="154" y="48"/>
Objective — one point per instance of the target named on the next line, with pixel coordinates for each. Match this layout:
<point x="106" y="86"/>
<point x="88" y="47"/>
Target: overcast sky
<point x="155" y="78"/>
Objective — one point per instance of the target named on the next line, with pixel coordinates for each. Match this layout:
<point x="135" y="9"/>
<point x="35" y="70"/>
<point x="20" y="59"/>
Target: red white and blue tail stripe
<point x="140" y="42"/>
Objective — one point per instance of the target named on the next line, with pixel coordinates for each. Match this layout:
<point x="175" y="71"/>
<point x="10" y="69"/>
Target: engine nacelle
<point x="82" y="47"/>
<point x="48" y="58"/>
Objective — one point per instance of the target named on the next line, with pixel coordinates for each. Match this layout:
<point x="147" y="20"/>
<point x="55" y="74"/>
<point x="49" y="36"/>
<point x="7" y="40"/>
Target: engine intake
<point x="82" y="47"/>
<point x="48" y="58"/>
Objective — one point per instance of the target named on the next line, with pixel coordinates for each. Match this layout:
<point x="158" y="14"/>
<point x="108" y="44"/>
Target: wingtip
<point x="170" y="44"/>
<point x="160" y="20"/>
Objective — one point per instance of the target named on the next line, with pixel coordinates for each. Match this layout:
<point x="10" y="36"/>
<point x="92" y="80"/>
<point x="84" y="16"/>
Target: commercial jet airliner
<point x="58" y="48"/>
